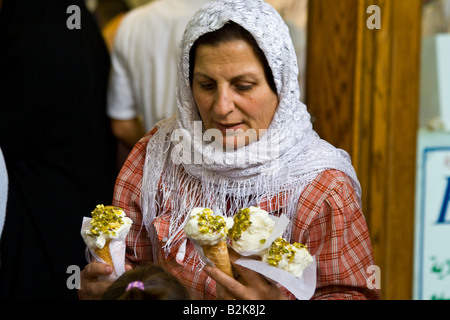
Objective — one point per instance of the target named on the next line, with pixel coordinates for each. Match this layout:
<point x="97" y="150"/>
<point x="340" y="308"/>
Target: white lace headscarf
<point x="278" y="166"/>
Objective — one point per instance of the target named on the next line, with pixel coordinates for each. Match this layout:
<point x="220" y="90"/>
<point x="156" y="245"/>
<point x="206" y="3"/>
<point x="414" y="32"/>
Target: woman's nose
<point x="223" y="103"/>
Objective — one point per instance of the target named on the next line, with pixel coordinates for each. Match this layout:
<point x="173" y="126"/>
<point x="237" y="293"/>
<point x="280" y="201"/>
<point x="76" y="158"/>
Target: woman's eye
<point x="244" y="87"/>
<point x="207" y="86"/>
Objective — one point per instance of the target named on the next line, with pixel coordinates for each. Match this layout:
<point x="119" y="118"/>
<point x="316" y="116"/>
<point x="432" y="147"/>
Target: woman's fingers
<point x="227" y="287"/>
<point x="249" y="285"/>
<point x="91" y="286"/>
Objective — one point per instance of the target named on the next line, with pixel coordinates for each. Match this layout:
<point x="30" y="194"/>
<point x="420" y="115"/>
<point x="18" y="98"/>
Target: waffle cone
<point x="105" y="254"/>
<point x="218" y="254"/>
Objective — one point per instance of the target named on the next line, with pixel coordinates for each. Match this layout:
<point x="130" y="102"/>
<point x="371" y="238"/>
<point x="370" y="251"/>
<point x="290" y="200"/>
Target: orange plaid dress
<point x="329" y="221"/>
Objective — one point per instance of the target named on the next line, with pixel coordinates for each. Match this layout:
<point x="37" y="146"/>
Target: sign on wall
<point x="432" y="221"/>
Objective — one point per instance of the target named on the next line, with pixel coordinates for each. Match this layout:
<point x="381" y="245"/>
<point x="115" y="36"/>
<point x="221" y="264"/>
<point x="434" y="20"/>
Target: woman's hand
<point x="91" y="288"/>
<point x="250" y="285"/>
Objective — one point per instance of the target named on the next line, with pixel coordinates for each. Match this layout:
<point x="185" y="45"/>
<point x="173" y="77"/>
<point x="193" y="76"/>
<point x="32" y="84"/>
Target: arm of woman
<point x="127" y="195"/>
<point x="138" y="247"/>
<point x="330" y="221"/>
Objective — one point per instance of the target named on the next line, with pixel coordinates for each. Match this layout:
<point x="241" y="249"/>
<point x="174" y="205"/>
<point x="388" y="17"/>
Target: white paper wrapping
<point x="302" y="288"/>
<point x="116" y="247"/>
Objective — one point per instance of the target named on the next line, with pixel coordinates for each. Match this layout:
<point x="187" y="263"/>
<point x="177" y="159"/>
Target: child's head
<point x="150" y="282"/>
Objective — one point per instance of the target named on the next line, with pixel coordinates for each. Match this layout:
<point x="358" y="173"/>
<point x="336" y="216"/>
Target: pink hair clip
<point x="135" y="284"/>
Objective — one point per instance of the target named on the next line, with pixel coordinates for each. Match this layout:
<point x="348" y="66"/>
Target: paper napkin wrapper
<point x="116" y="247"/>
<point x="302" y="288"/>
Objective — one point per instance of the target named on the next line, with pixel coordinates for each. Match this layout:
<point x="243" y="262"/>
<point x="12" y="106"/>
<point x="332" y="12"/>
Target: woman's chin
<point x="235" y="142"/>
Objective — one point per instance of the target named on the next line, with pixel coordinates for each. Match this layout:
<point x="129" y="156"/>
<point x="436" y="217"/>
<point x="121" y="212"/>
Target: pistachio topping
<point x="281" y="247"/>
<point x="210" y="223"/>
<point x="106" y="219"/>
<point x="241" y="223"/>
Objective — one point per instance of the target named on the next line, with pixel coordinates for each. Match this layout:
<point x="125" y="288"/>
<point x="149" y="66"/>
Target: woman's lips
<point x="224" y="126"/>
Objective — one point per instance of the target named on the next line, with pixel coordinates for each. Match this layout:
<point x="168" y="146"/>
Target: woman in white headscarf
<point x="3" y="190"/>
<point x="238" y="70"/>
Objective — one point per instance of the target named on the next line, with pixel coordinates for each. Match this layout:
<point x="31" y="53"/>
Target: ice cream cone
<point x="218" y="254"/>
<point x="105" y="254"/>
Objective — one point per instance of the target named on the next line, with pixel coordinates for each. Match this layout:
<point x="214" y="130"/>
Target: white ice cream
<point x="205" y="228"/>
<point x="118" y="231"/>
<point x="291" y="258"/>
<point x="255" y="235"/>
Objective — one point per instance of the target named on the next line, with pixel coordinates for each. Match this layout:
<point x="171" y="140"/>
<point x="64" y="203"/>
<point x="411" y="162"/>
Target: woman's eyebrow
<point x="245" y="76"/>
<point x="251" y="75"/>
<point x="199" y="74"/>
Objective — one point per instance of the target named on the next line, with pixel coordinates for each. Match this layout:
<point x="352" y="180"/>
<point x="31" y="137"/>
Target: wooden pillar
<point x="362" y="90"/>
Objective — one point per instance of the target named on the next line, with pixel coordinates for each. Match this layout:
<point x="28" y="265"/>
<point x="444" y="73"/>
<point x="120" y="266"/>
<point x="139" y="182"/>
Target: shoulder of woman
<point x="136" y="157"/>
<point x="327" y="183"/>
<point x="141" y="145"/>
<point x="333" y="178"/>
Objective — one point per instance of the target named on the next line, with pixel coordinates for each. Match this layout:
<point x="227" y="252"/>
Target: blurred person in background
<point x="436" y="17"/>
<point x="3" y="190"/>
<point x="144" y="62"/>
<point x="56" y="140"/>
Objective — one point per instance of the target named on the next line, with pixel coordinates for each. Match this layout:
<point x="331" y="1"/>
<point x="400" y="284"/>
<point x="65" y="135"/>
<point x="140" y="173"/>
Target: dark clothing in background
<point x="57" y="143"/>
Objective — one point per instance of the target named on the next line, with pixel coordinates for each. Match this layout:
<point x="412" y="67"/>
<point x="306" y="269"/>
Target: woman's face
<point x="231" y="91"/>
